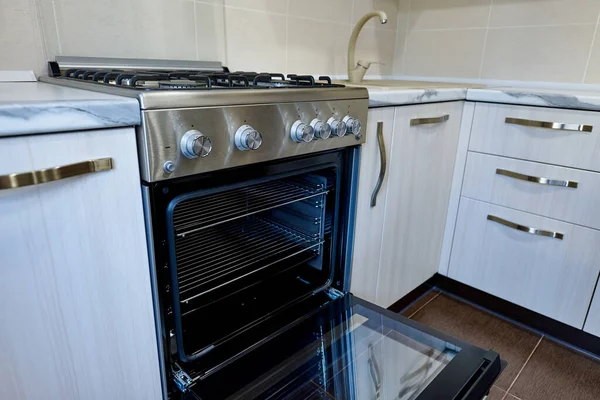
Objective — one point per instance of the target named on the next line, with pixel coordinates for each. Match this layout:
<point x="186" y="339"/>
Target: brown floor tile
<point x="496" y="393"/>
<point x="410" y="310"/>
<point x="557" y="372"/>
<point x="482" y="329"/>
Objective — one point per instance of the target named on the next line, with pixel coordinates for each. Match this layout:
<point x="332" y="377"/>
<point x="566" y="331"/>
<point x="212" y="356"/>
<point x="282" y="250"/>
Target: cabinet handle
<point x="549" y="125"/>
<point x="382" y="169"/>
<point x="13" y="181"/>
<point x="523" y="228"/>
<point x="432" y="120"/>
<point x="535" y="179"/>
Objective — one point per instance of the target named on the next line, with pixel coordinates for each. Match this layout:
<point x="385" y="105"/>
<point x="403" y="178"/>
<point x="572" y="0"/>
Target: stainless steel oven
<point x="249" y="187"/>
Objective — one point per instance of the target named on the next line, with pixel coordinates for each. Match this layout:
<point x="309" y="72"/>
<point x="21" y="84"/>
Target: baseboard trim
<point x="535" y="321"/>
<point x="410" y="298"/>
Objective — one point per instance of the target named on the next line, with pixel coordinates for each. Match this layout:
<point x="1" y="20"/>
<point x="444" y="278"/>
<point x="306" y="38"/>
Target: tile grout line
<point x="56" y="27"/>
<point x="587" y="64"/>
<point x="523" y="367"/>
<point x="423" y="306"/>
<point x="485" y="38"/>
<point x="196" y="32"/>
<point x="407" y="31"/>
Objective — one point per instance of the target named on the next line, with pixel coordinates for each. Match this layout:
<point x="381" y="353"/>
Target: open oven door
<point x="351" y="349"/>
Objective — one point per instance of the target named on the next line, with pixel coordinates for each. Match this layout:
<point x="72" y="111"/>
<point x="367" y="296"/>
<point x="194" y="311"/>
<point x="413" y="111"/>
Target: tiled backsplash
<point x="541" y="40"/>
<point x="299" y="36"/>
<point x="528" y="40"/>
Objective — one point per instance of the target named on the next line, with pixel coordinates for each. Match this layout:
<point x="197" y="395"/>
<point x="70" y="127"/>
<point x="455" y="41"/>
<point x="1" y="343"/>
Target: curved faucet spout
<point x="357" y="71"/>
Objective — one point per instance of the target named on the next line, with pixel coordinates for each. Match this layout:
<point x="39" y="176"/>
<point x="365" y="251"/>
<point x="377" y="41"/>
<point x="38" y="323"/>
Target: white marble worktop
<point x="36" y="107"/>
<point x="387" y="93"/>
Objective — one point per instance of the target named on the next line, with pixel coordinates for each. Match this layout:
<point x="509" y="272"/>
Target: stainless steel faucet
<point x="356" y="71"/>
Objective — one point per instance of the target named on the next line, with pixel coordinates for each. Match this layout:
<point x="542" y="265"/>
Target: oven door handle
<point x="383" y="167"/>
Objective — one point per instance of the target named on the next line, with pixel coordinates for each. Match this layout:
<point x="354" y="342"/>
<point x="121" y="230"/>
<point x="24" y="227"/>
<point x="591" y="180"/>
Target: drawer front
<point x="562" y="145"/>
<point x="554" y="277"/>
<point x="566" y="194"/>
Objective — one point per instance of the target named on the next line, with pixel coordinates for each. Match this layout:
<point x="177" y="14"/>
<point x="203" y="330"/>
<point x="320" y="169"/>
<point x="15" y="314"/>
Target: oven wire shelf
<point x="204" y="212"/>
<point x="212" y="258"/>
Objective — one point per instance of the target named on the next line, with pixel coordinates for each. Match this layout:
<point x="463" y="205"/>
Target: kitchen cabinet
<point x="398" y="242"/>
<point x="369" y="220"/>
<point x="554" y="276"/>
<point x="420" y="179"/>
<point x="77" y="320"/>
<point x="592" y="323"/>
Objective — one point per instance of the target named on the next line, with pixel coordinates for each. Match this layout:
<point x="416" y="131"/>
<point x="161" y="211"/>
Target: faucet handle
<point x="367" y="64"/>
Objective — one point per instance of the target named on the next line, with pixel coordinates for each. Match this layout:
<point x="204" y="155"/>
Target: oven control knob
<point x="353" y="124"/>
<point x="302" y="132"/>
<point x="247" y="138"/>
<point x="338" y="127"/>
<point x="194" y="144"/>
<point x="322" y="130"/>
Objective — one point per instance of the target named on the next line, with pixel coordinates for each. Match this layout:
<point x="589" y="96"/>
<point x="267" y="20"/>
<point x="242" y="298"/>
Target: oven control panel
<point x="183" y="142"/>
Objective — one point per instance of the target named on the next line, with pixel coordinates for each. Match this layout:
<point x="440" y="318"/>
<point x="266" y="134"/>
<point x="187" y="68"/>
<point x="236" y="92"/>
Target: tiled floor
<point x="538" y="368"/>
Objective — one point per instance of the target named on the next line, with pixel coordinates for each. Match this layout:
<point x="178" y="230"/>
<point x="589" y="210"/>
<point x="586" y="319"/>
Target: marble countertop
<point x="36" y="107"/>
<point x="387" y="93"/>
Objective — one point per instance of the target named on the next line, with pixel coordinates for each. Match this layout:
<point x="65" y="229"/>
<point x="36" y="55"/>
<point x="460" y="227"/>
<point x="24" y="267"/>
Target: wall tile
<point x="455" y="53"/>
<point x="543" y="12"/>
<point x="400" y="45"/>
<point x="449" y="14"/>
<point x="327" y="10"/>
<point x="48" y="29"/>
<point x="152" y="28"/>
<point x="275" y="6"/>
<point x="593" y="68"/>
<point x="317" y="47"/>
<point x="255" y="40"/>
<point x="20" y="40"/>
<point x="210" y="32"/>
<point x="377" y="45"/>
<point x="390" y="7"/>
<point x="557" y="53"/>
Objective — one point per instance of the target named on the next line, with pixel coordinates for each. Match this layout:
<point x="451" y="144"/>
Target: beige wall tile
<point x="454" y="53"/>
<point x="210" y="31"/>
<point x="448" y="14"/>
<point x="20" y="40"/>
<point x="543" y="12"/>
<point x="317" y="47"/>
<point x="275" y="6"/>
<point x="390" y="7"/>
<point x="154" y="28"/>
<point x="377" y="45"/>
<point x="593" y="68"/>
<point x="255" y="40"/>
<point x="328" y="10"/>
<point x="556" y="53"/>
<point x="48" y="29"/>
<point x="398" y="62"/>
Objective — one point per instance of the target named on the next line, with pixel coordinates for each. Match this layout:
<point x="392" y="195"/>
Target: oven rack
<point x="222" y="254"/>
<point x="203" y="212"/>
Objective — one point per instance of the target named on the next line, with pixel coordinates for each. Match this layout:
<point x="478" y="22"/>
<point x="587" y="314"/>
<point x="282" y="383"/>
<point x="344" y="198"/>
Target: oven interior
<point x="247" y="255"/>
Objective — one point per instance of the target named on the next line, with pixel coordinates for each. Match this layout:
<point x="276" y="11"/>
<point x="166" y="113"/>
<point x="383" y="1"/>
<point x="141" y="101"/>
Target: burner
<point x="192" y="80"/>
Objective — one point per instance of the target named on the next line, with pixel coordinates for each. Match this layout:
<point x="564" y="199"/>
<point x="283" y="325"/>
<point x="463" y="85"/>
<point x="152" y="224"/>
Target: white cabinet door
<point x="592" y="323"/>
<point x="76" y="320"/>
<point x="419" y="183"/>
<point x="554" y="277"/>
<point x="369" y="220"/>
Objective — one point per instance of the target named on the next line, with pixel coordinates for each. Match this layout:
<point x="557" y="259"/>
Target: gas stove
<point x="198" y="116"/>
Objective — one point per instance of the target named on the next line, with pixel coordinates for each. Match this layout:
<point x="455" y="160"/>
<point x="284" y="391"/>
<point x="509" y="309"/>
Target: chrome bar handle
<point x="527" y="229"/>
<point x="549" y="125"/>
<point x="383" y="168"/>
<point x="17" y="180"/>
<point x="428" y="121"/>
<point x="535" y="179"/>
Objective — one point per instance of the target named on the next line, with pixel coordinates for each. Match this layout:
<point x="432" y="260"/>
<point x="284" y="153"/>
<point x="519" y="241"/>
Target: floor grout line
<point x="423" y="306"/>
<point x="523" y="367"/>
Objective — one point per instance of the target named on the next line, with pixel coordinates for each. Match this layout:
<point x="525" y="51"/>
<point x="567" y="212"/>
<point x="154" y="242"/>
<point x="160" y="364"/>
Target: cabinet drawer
<point x="554" y="277"/>
<point x="521" y="138"/>
<point x="563" y="193"/>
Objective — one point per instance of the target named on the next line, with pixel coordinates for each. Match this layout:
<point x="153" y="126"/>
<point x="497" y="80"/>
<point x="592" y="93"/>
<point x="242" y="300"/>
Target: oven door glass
<point x="351" y="349"/>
